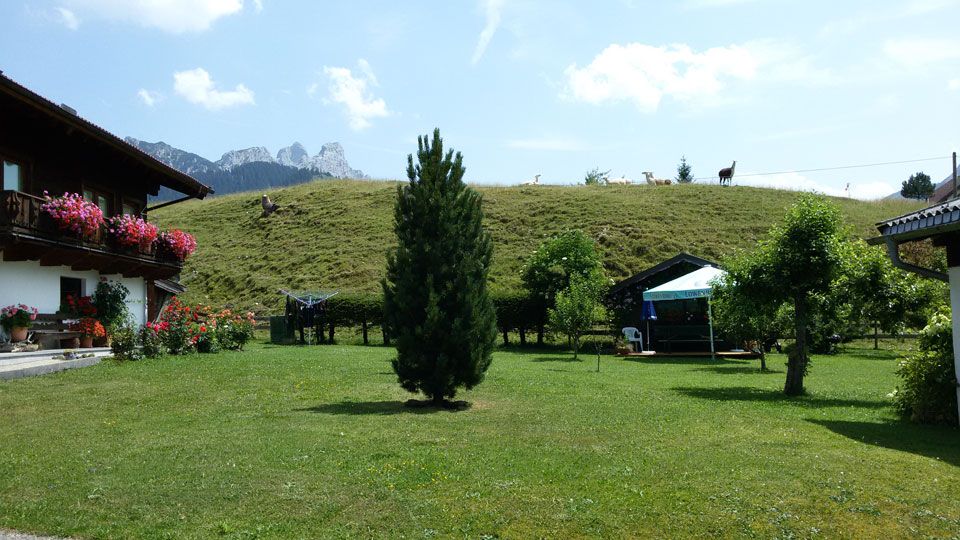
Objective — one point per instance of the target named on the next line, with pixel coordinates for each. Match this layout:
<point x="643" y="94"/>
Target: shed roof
<point x="679" y="258"/>
<point x="169" y="177"/>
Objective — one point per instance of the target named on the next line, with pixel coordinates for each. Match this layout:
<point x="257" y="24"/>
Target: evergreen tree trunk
<point x="523" y="336"/>
<point x="506" y="337"/>
<point x="364" y="329"/>
<point x="540" y="335"/>
<point x="797" y="359"/>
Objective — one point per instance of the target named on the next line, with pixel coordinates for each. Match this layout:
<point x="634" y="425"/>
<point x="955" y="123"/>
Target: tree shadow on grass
<point x="558" y="358"/>
<point x="681" y="360"/>
<point x="739" y="369"/>
<point x="745" y="393"/>
<point x="938" y="442"/>
<point x="384" y="408"/>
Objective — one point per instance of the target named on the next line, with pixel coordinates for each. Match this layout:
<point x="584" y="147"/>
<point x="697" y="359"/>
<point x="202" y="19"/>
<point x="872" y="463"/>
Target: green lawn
<point x="315" y="443"/>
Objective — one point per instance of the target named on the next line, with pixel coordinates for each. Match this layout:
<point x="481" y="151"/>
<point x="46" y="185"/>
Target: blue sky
<point x="521" y="87"/>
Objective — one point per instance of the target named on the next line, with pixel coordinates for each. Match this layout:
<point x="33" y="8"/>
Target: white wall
<point x="26" y="282"/>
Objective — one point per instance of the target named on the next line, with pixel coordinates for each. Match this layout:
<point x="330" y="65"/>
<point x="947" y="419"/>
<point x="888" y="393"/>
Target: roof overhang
<point x="168" y="176"/>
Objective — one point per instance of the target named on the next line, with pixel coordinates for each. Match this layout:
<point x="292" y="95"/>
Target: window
<point x="99" y="198"/>
<point x="131" y="209"/>
<point x="70" y="287"/>
<point x="12" y="176"/>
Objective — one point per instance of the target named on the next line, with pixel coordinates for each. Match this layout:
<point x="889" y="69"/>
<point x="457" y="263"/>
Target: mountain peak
<point x="294" y="155"/>
<point x="235" y="158"/>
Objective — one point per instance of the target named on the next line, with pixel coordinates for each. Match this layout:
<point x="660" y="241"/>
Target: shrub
<point x="928" y="390"/>
<point x="151" y="344"/>
<point x="110" y="301"/>
<point x="176" y="327"/>
<point x="205" y="339"/>
<point x="232" y="330"/>
<point x="124" y="345"/>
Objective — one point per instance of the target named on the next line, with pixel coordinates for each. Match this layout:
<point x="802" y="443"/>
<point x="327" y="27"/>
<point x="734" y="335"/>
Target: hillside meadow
<point x="333" y="234"/>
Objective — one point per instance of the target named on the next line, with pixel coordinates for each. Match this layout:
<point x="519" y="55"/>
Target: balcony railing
<point x="21" y="215"/>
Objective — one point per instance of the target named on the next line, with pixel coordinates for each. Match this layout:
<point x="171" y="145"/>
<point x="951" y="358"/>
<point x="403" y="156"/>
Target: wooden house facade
<point x="48" y="148"/>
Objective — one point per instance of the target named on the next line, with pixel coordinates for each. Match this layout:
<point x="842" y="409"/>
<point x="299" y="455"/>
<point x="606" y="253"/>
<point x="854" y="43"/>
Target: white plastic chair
<point x="633" y="336"/>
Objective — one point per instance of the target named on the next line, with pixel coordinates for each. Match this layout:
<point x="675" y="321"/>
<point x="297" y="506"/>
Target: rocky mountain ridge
<point x="330" y="161"/>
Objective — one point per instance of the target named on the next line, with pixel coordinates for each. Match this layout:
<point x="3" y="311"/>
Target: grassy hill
<point x="334" y="234"/>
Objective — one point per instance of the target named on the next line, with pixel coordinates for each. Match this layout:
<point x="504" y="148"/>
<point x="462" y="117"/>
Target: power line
<point x="832" y="168"/>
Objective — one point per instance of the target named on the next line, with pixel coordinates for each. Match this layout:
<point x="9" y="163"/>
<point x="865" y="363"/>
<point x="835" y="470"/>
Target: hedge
<point x="515" y="312"/>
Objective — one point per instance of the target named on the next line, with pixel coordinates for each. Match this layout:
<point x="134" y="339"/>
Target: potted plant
<point x="132" y="232"/>
<point x="17" y="319"/>
<point x="89" y="328"/>
<point x="621" y="348"/>
<point x="176" y="244"/>
<point x="73" y="214"/>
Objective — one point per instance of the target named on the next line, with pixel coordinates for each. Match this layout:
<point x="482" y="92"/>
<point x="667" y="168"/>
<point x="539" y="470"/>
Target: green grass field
<point x="315" y="442"/>
<point x="334" y="234"/>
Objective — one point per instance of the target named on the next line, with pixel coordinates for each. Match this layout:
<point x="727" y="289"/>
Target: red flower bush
<point x="132" y="231"/>
<point x="183" y="328"/>
<point x="89" y="327"/>
<point x="73" y="214"/>
<point x="178" y="243"/>
<point x="79" y="307"/>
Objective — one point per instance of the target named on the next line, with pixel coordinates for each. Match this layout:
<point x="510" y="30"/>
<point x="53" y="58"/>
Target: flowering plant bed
<point x="177" y="244"/>
<point x="18" y="315"/>
<point x="132" y="231"/>
<point x="89" y="327"/>
<point x="73" y="214"/>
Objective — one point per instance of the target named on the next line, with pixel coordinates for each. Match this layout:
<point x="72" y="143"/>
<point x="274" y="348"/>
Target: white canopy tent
<point x="696" y="284"/>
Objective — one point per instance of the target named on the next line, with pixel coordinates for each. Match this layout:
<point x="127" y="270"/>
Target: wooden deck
<point x="745" y="355"/>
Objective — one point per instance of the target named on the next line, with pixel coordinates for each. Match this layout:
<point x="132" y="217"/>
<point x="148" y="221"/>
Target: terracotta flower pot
<point x="18" y="333"/>
<point x="86" y="342"/>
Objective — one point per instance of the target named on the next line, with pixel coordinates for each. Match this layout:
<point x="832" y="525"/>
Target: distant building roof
<point x="931" y="221"/>
<point x="169" y="177"/>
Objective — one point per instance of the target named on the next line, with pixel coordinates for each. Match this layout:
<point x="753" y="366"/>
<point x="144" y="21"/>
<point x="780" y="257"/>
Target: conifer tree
<point x="684" y="171"/>
<point x="436" y="302"/>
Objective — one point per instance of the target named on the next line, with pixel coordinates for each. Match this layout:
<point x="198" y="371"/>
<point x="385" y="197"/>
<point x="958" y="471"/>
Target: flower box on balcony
<point x="74" y="216"/>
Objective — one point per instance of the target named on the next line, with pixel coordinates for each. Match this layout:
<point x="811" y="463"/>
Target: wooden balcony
<point x="29" y="234"/>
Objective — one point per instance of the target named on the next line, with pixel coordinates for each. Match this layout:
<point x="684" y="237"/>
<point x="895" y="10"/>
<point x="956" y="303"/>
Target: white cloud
<point x="258" y="5"/>
<point x="354" y="94"/>
<point x="644" y="74"/>
<point x="557" y="144"/>
<point x="492" y="10"/>
<point x="169" y="15"/>
<point x="149" y="97"/>
<point x="67" y="17"/>
<point x="919" y="52"/>
<point x="197" y="87"/>
<point x="954" y="84"/>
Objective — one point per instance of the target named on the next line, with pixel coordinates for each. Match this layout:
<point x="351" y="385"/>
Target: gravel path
<point x="14" y="535"/>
